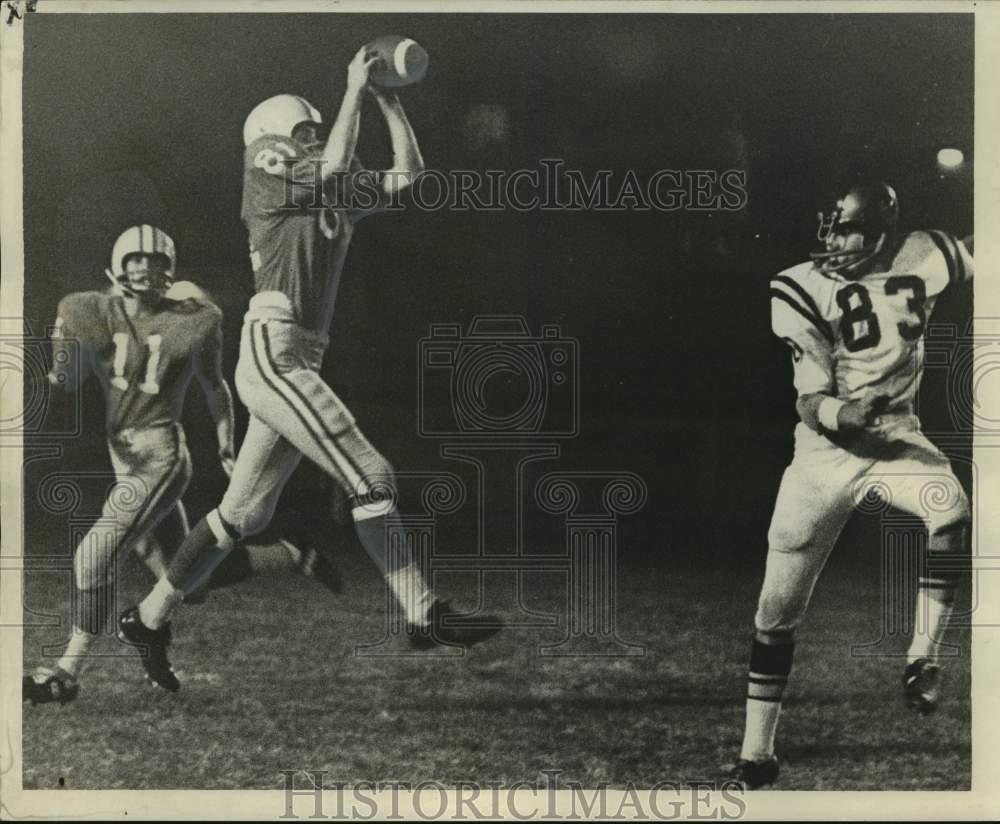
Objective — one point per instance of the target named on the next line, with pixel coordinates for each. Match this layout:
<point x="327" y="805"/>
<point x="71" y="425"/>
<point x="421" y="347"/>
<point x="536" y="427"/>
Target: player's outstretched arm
<point x="407" y="160"/>
<point x="208" y="369"/>
<point x="343" y="140"/>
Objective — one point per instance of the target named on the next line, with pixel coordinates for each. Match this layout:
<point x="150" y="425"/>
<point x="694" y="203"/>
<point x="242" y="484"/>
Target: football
<point x="403" y="61"/>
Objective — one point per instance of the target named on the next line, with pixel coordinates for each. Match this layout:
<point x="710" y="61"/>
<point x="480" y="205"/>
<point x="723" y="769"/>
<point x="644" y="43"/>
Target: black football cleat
<point x="132" y="631"/>
<point x="441" y="632"/>
<point x="45" y="686"/>
<point x="752" y="775"/>
<point x="921" y="686"/>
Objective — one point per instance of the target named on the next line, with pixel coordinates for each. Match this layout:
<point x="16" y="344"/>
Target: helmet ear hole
<point x="308" y="133"/>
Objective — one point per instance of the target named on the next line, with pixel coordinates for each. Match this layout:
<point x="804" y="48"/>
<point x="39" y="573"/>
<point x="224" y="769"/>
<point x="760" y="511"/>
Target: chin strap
<point x="121" y="287"/>
<point x="856" y="257"/>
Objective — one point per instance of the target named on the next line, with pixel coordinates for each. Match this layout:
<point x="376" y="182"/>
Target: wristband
<point x="827" y="411"/>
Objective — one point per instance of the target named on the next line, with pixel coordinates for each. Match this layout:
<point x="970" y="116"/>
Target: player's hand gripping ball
<point x="403" y="61"/>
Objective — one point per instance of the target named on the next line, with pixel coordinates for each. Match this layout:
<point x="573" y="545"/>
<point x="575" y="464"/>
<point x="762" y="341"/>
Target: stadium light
<point x="950" y="158"/>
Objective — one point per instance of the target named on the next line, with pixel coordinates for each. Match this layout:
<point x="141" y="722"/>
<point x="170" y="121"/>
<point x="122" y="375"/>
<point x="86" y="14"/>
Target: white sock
<point x="155" y="609"/>
<point x="411" y="591"/>
<point x="762" y="724"/>
<point x="76" y="650"/>
<point x="934" y="607"/>
<point x="152" y="557"/>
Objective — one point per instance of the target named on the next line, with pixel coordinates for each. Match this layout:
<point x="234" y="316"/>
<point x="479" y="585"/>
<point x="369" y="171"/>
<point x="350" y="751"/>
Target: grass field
<point x="270" y="683"/>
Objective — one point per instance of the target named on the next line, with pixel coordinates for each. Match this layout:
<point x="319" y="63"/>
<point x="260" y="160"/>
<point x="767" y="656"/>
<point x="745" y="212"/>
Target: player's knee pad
<point x="376" y="494"/>
<point x="779" y="613"/>
<point x="949" y="538"/>
<point x="230" y="525"/>
<point x="783" y="536"/>
<point x="773" y="621"/>
<point x="947" y="517"/>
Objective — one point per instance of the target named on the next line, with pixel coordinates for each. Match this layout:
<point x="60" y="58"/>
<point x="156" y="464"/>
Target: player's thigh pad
<point x="153" y="469"/>
<point x="263" y="466"/>
<point x="374" y="491"/>
<point x="918" y="479"/>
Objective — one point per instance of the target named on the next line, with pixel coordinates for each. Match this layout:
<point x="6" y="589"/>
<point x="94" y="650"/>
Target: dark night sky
<point x="130" y="117"/>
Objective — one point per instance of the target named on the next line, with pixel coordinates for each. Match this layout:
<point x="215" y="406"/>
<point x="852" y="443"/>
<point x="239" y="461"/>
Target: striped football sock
<point x="770" y="664"/>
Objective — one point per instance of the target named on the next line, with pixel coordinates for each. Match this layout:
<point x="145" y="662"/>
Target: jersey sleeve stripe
<point x="822" y="326"/>
<point x="956" y="256"/>
<point x="810" y="303"/>
<point x="802" y="293"/>
<point x="947" y="248"/>
<point x="963" y="274"/>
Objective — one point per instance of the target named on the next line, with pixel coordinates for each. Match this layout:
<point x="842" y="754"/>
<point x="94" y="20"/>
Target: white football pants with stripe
<point x="153" y="468"/>
<point x="293" y="412"/>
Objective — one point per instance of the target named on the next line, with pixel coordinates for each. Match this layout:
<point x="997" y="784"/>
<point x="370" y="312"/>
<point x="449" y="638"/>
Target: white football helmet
<point x="143" y="240"/>
<point x="278" y="115"/>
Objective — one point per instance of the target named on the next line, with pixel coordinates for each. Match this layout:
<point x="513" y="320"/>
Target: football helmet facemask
<point x="280" y="115"/>
<point x="869" y="209"/>
<point x="155" y="249"/>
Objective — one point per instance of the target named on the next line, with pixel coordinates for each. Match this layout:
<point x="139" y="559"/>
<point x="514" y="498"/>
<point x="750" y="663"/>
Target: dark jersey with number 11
<point x="144" y="364"/>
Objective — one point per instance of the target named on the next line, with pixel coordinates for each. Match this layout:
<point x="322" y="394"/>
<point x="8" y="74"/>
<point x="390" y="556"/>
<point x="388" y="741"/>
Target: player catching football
<point x="298" y="210"/>
<point x="854" y="318"/>
<point x="144" y="339"/>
